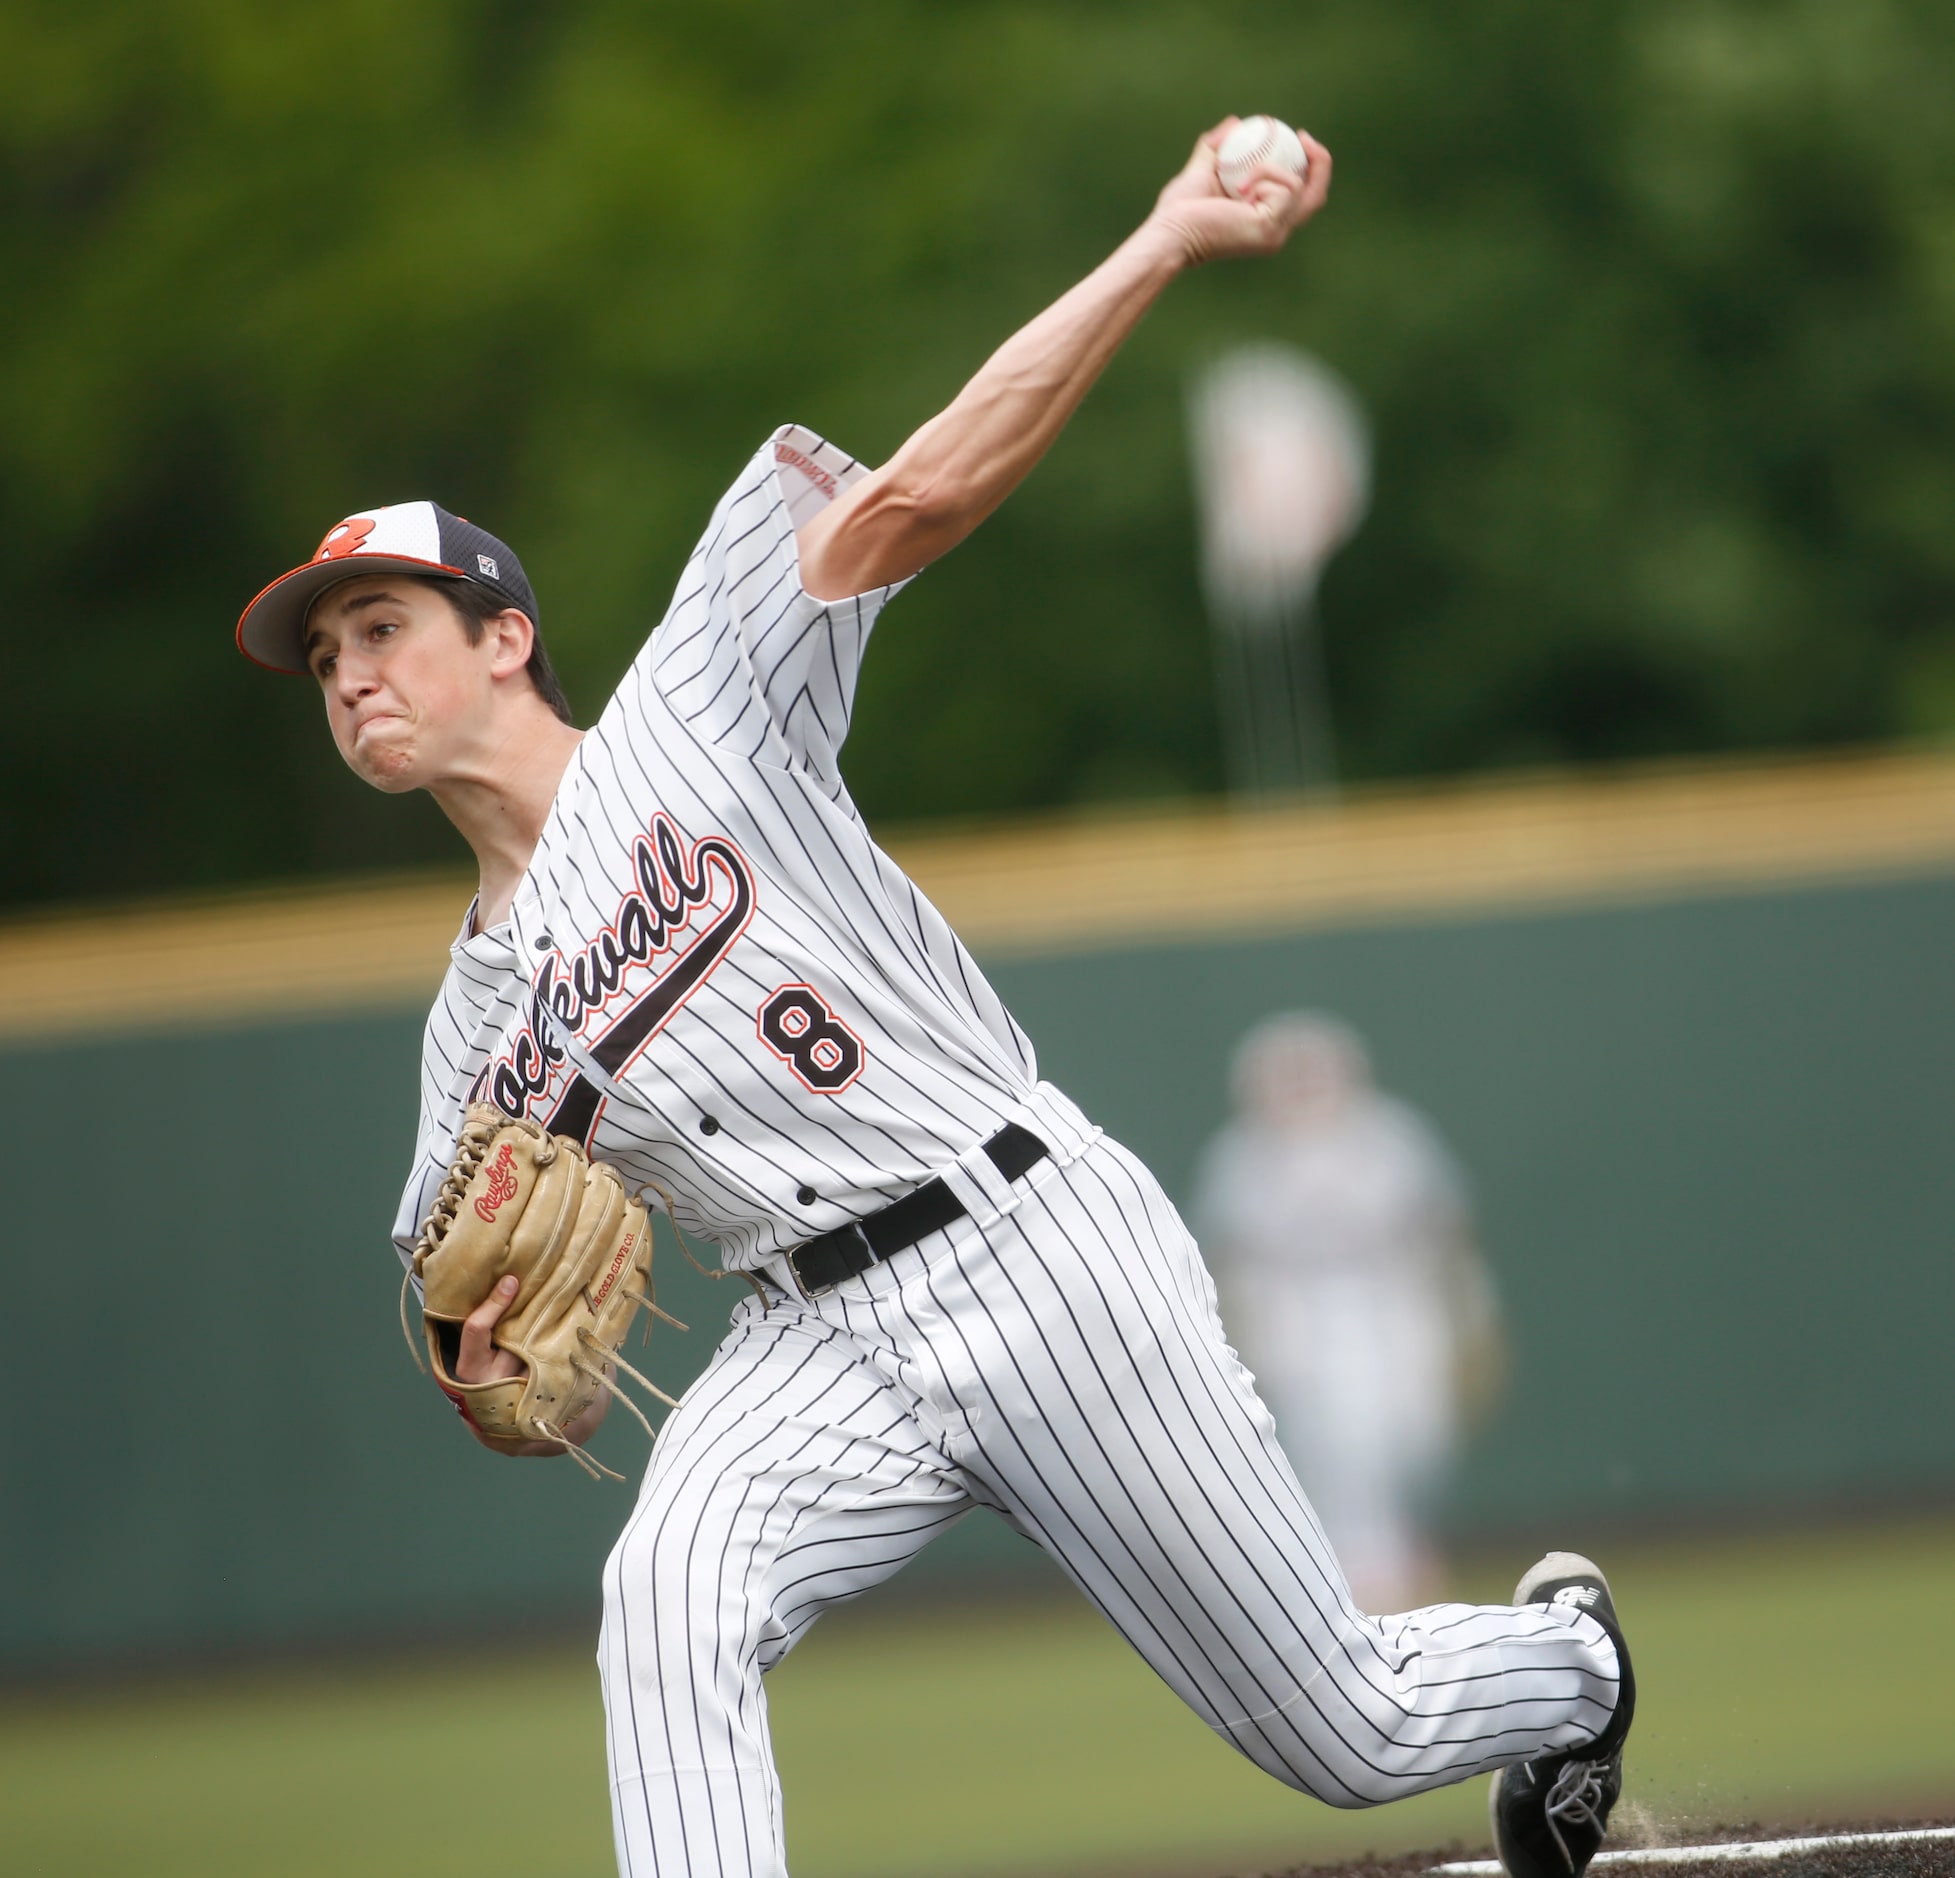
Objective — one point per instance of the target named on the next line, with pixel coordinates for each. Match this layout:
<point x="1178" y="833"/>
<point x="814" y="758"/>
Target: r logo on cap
<point x="344" y="538"/>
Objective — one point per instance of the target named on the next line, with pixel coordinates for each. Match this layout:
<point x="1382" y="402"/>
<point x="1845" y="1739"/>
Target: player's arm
<point x="958" y="468"/>
<point x="479" y="1360"/>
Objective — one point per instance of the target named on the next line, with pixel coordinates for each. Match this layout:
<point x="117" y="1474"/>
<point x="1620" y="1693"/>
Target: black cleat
<point x="1549" y="1814"/>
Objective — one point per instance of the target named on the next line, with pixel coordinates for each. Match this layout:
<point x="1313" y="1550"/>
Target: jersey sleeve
<point x="453" y="1013"/>
<point x="424" y="1178"/>
<point x="746" y="658"/>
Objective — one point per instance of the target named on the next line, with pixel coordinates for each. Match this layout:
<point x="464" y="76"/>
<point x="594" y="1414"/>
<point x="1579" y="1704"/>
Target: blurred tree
<point x="1652" y="306"/>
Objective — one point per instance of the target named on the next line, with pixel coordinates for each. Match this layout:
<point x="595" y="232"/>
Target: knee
<point x="1288" y="1755"/>
<point x="1346" y="1800"/>
<point x="653" y="1564"/>
<point x="1313" y="1782"/>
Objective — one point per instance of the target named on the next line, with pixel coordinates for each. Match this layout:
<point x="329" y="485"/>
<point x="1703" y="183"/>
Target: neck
<point x="501" y="804"/>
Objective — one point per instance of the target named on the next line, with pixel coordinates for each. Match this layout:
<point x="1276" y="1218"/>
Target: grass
<point x="1783" y="1679"/>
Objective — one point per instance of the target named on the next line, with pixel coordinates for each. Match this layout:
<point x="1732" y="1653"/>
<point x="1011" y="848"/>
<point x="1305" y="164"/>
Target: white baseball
<point x="1259" y="140"/>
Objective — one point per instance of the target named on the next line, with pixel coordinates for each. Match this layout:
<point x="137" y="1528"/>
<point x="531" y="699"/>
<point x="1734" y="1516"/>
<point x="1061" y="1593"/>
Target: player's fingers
<point x="477" y="1355"/>
<point x="1268" y="186"/>
<point x="1273" y="195"/>
<point x="1200" y="167"/>
<point x="1284" y="200"/>
<point x="1316" y="179"/>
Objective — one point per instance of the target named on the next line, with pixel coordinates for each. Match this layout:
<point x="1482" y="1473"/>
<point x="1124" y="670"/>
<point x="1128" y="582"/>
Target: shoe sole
<point x="1558" y="1565"/>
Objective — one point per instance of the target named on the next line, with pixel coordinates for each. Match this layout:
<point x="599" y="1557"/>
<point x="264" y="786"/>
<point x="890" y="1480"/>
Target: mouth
<point x="379" y="745"/>
<point x="381" y="749"/>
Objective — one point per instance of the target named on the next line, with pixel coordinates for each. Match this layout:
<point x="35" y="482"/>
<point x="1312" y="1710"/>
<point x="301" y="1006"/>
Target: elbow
<point x="939" y="514"/>
<point x="895" y="532"/>
<point x="922" y="508"/>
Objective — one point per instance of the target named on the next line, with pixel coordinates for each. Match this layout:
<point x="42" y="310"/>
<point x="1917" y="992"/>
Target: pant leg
<point x="1105" y="1413"/>
<point x="794" y="1474"/>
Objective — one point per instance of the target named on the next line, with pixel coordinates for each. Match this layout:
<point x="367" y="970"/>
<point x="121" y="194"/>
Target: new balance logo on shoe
<point x="1582" y="1595"/>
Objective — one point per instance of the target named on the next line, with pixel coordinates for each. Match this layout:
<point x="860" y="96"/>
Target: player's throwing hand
<point x="481" y="1359"/>
<point x="1213" y="225"/>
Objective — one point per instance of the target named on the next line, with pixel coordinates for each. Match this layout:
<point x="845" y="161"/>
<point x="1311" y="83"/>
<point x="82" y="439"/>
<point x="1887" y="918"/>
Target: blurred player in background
<point x="1338" y="1228"/>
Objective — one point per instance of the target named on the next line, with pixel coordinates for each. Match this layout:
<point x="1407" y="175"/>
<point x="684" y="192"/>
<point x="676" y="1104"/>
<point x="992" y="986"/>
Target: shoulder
<point x="745" y="566"/>
<point x="782" y="486"/>
<point x="1413" y="1138"/>
<point x="1392" y="1116"/>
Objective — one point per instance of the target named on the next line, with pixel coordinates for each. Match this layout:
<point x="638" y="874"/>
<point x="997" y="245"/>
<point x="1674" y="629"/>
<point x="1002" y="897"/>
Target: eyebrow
<point x="313" y="637"/>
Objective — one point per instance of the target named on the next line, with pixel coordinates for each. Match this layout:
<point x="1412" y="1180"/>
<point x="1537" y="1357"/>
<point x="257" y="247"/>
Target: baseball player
<point x="688" y="953"/>
<point x="1337" y="1227"/>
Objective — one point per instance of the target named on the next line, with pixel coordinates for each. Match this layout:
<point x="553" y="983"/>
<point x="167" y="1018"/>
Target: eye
<point x="383" y="629"/>
<point x="323" y="668"/>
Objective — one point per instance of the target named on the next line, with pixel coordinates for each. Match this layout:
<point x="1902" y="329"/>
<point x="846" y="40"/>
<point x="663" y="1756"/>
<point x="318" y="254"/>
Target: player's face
<point x="1302" y="1082"/>
<point x="402" y="685"/>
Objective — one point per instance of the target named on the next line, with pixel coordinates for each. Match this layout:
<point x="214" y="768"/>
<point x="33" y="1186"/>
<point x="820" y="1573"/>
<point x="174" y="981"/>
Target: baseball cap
<point x="407" y="538"/>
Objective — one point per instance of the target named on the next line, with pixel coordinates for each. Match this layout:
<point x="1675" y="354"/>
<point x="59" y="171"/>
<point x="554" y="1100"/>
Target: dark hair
<point x="475" y="606"/>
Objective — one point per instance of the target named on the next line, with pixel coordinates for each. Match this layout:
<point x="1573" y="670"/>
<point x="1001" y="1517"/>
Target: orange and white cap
<point x="407" y="538"/>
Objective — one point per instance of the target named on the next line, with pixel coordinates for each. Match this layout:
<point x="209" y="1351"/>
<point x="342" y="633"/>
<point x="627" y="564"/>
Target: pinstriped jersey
<point x="711" y="974"/>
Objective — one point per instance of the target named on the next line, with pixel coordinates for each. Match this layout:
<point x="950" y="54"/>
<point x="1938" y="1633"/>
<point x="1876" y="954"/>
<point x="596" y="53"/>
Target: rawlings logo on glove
<point x="501" y="1176"/>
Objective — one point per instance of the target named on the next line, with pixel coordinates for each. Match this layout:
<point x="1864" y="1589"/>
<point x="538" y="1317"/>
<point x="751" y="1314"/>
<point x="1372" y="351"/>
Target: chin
<point x="390" y="769"/>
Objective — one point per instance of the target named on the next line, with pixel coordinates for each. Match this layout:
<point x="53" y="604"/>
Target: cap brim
<point x="271" y="630"/>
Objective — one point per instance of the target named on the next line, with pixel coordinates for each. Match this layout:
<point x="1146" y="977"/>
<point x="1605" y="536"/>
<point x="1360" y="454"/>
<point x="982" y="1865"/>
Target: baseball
<point x="1259" y="140"/>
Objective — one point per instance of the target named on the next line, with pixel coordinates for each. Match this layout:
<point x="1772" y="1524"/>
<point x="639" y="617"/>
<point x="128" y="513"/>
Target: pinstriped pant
<point x="1064" y="1365"/>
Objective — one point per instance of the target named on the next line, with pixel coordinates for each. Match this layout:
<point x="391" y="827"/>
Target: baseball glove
<point x="520" y="1200"/>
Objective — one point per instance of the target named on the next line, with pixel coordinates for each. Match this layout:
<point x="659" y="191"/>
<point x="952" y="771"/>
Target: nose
<point x="353" y="679"/>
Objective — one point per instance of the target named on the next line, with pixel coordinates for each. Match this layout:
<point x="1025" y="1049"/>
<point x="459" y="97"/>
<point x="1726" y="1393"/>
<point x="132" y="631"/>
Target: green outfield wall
<point x="1709" y="1139"/>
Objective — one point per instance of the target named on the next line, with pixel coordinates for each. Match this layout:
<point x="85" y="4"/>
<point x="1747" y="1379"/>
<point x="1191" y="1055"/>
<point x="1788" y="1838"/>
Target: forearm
<point x="963" y="463"/>
<point x="949" y="476"/>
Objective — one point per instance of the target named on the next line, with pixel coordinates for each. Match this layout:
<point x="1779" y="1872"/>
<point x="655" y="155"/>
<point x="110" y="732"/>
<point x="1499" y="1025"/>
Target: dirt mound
<point x="1929" y="1858"/>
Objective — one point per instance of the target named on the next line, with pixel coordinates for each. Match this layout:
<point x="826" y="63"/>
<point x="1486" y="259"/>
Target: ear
<point x="512" y="638"/>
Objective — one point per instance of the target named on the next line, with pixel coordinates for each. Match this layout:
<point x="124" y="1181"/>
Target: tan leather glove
<point x="518" y="1200"/>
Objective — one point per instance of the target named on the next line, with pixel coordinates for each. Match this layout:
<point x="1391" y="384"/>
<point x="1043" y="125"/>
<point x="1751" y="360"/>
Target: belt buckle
<point x="869" y="1258"/>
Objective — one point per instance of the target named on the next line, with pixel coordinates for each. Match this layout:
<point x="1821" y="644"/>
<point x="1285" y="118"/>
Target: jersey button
<point x="709" y="1125"/>
<point x="806" y="1196"/>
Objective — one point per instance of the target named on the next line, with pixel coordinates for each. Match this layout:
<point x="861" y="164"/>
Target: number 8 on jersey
<point x="824" y="1054"/>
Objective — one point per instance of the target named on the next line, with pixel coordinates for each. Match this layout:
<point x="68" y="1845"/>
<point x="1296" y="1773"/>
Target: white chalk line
<point x="1726" y="1854"/>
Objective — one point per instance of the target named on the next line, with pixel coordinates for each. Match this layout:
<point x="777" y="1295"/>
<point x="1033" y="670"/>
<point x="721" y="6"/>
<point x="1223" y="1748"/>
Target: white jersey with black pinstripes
<point x="711" y="974"/>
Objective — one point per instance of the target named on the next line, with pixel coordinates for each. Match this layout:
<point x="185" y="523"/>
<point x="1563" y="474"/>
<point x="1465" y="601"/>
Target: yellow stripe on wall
<point x="303" y="953"/>
<point x="1075" y="883"/>
<point x="1398" y="856"/>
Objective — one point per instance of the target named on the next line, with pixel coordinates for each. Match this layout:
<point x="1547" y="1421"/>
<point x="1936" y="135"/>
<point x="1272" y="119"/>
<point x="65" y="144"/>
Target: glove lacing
<point x="592" y="1466"/>
<point x="685" y="1246"/>
<point x="601" y="1374"/>
<point x="471" y="1150"/>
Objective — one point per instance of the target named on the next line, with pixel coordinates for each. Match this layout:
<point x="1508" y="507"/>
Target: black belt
<point x="923" y="1210"/>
